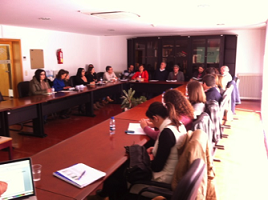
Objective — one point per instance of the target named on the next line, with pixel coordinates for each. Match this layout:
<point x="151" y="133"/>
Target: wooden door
<point x="5" y="69"/>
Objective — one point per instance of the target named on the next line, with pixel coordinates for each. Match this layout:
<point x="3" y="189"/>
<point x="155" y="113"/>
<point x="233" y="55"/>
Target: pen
<point x="129" y="131"/>
<point x="83" y="173"/>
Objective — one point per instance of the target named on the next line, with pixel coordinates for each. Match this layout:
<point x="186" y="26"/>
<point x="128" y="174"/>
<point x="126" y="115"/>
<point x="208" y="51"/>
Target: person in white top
<point x="109" y="75"/>
<point x="225" y="77"/>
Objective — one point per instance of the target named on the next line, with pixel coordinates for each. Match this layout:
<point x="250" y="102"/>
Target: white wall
<point x="264" y="109"/>
<point x="78" y="49"/>
<point x="250" y="51"/>
<point x="113" y="52"/>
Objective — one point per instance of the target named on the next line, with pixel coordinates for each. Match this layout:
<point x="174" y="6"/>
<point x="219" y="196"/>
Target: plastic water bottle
<point x="101" y="80"/>
<point x="163" y="101"/>
<point x="112" y="126"/>
<point x="139" y="78"/>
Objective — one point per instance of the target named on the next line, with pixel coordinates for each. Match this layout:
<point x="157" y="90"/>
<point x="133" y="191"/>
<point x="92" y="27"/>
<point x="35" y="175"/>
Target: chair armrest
<point x="156" y="190"/>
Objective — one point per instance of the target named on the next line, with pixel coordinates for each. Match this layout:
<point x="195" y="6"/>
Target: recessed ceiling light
<point x="44" y="18"/>
<point x="113" y="14"/>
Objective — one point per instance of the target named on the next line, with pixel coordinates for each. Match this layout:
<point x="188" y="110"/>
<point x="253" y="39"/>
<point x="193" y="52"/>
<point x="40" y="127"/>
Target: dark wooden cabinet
<point x="188" y="52"/>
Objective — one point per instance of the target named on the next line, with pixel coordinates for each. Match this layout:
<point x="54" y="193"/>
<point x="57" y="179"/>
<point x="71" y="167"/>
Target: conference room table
<point x="94" y="147"/>
<point x="18" y="110"/>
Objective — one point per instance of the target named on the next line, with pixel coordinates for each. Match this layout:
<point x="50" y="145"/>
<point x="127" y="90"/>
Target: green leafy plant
<point x="129" y="101"/>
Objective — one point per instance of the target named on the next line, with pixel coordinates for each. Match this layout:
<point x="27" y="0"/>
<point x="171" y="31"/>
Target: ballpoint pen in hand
<point x="83" y="173"/>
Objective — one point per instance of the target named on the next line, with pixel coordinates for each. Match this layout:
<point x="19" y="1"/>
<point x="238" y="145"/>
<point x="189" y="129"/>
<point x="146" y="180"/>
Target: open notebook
<point x="79" y="175"/>
<point x="18" y="175"/>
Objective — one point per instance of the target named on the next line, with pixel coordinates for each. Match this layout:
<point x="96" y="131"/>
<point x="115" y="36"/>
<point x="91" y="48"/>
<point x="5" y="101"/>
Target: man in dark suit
<point x="161" y="74"/>
<point x="211" y="91"/>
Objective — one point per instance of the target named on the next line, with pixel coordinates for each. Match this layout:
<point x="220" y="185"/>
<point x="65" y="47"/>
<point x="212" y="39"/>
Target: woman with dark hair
<point x="197" y="96"/>
<point x="81" y="78"/>
<point x="163" y="155"/>
<point x="141" y="74"/>
<point x="91" y="74"/>
<point x="58" y="82"/>
<point x="183" y="108"/>
<point x="39" y="84"/>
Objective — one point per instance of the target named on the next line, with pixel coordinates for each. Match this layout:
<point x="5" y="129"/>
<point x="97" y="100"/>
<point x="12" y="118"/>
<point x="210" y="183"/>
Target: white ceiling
<point x="156" y="17"/>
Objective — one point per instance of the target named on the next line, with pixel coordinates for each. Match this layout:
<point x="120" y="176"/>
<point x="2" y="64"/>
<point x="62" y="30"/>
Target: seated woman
<point x="58" y="82"/>
<point x="109" y="75"/>
<point x="141" y="74"/>
<point x="176" y="74"/>
<point x="197" y="97"/>
<point x="39" y="84"/>
<point x="81" y="78"/>
<point x="67" y="79"/>
<point x="91" y="74"/>
<point x="183" y="108"/>
<point x="163" y="155"/>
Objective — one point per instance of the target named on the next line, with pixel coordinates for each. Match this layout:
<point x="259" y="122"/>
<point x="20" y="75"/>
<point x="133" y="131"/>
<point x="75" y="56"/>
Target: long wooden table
<point x="94" y="147"/>
<point x="18" y="110"/>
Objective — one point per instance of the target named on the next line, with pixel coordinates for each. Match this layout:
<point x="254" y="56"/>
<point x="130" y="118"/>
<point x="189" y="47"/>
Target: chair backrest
<point x="72" y="81"/>
<point x="204" y="123"/>
<point x="24" y="88"/>
<point x="226" y="100"/>
<point x="99" y="75"/>
<point x="1" y="97"/>
<point x="188" y="186"/>
<point x="213" y="110"/>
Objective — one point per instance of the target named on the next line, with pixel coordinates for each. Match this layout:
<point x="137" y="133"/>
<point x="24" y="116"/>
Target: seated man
<point x="127" y="74"/>
<point x="161" y="74"/>
<point x="109" y="75"/>
<point x="176" y="74"/>
<point x="225" y="77"/>
<point x="209" y="87"/>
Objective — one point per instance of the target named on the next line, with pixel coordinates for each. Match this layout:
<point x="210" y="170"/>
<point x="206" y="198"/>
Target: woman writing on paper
<point x="184" y="112"/>
<point x="58" y="82"/>
<point x="163" y="155"/>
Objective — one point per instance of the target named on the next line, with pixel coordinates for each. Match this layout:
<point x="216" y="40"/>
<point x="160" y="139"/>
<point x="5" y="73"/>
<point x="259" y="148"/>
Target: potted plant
<point x="129" y="101"/>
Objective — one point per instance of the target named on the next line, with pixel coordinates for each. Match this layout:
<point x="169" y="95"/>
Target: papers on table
<point x="136" y="128"/>
<point x="79" y="175"/>
<point x="171" y="80"/>
<point x="153" y="80"/>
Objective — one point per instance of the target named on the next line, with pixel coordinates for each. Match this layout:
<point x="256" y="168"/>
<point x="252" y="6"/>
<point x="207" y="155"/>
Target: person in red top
<point x="142" y="73"/>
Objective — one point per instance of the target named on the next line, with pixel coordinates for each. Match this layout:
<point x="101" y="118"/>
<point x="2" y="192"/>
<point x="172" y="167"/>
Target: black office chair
<point x="1" y="97"/>
<point x="23" y="90"/>
<point x="99" y="75"/>
<point x="72" y="81"/>
<point x="187" y="187"/>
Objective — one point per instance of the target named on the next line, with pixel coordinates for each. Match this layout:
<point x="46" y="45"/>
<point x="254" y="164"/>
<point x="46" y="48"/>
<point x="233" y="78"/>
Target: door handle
<point x="7" y="71"/>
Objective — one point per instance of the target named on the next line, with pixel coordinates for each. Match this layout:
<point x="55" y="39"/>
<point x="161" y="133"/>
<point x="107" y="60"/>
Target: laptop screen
<point x="18" y="175"/>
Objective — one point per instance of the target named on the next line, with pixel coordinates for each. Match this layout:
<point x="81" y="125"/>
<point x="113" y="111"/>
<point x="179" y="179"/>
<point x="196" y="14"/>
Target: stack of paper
<point x="79" y="175"/>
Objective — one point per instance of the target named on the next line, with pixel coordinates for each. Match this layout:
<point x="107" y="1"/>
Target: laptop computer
<point x="18" y="175"/>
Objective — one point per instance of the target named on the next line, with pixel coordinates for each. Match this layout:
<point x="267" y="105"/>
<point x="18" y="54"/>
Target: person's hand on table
<point x="3" y="187"/>
<point x="150" y="153"/>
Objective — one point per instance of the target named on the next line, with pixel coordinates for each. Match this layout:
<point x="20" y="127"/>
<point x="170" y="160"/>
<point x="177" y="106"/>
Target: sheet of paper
<point x="136" y="128"/>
